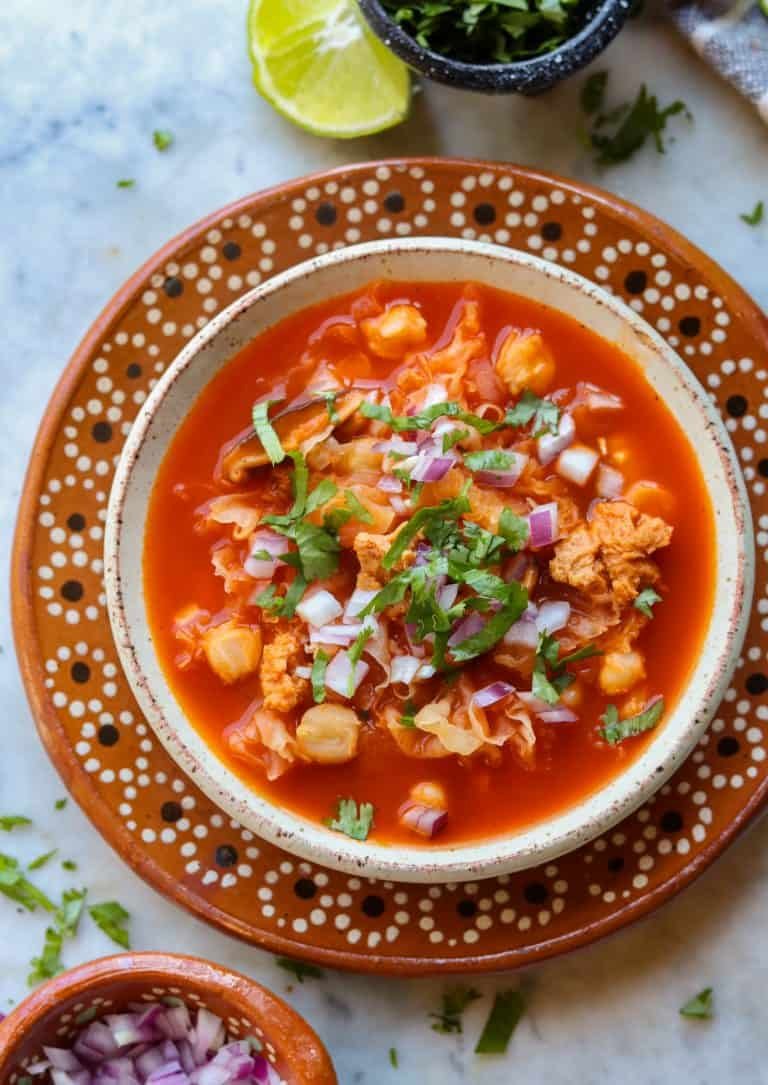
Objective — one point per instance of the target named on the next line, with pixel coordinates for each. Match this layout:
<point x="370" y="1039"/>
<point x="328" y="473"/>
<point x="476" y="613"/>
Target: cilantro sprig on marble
<point x="617" y="133"/>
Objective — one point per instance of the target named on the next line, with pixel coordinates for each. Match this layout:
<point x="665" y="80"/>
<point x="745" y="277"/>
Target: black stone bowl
<point x="602" y="22"/>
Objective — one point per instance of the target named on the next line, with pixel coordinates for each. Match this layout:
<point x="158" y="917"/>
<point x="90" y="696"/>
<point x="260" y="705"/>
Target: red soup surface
<point x="519" y="517"/>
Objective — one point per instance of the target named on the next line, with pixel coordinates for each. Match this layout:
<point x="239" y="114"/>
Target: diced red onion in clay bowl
<point x="156" y="1019"/>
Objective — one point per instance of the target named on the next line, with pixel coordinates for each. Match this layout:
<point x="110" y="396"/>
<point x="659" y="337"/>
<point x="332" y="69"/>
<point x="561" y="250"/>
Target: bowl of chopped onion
<point x="158" y="1019"/>
<point x="428" y="559"/>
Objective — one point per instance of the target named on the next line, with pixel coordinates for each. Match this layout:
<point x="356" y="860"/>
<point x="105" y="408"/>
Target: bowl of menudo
<point x="428" y="559"/>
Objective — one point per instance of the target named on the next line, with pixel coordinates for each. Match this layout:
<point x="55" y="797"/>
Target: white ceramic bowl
<point x="434" y="259"/>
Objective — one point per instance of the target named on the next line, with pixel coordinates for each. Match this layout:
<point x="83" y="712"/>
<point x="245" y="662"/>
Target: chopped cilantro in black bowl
<point x="502" y="46"/>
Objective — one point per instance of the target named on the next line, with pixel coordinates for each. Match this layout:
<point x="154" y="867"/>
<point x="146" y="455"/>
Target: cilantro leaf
<point x="353" y="822"/>
<point x="13" y="821"/>
<point x="68" y="864"/>
<point x="616" y="730"/>
<point x="593" y="92"/>
<point x="393" y="1060"/>
<point x="15" y="886"/>
<point x="495" y="628"/>
<point x="301" y="970"/>
<point x="544" y="414"/>
<point x="270" y="442"/>
<point x="451" y="509"/>
<point x="42" y="860"/>
<point x="49" y="963"/>
<point x="425" y="418"/>
<point x="513" y="529"/>
<point x="408" y="718"/>
<point x="646" y="600"/>
<point x="321" y="495"/>
<point x="319" y="667"/>
<point x="634" y="123"/>
<point x="126" y="182"/>
<point x="60" y="804"/>
<point x="755" y="216"/>
<point x="508" y="1008"/>
<point x="318" y="550"/>
<point x="454" y="1003"/>
<point x="700" y="1006"/>
<point x="491" y="459"/>
<point x="162" y="138"/>
<point x="111" y="918"/>
<point x="452" y="437"/>
<point x="70" y="910"/>
<point x="352" y="509"/>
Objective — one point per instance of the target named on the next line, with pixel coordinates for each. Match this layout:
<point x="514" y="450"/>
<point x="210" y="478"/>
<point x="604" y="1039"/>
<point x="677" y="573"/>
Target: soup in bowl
<point x="438" y="576"/>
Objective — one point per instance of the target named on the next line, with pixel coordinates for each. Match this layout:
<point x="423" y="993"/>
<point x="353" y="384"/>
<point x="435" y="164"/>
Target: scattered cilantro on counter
<point x="111" y="918"/>
<point x="41" y="860"/>
<point x="301" y="970"/>
<point x="455" y="1002"/>
<point x="755" y="216"/>
<point x="508" y="1008"/>
<point x="700" y="1006"/>
<point x="127" y="182"/>
<point x="394" y="1062"/>
<point x="162" y="139"/>
<point x="13" y="821"/>
<point x="616" y="134"/>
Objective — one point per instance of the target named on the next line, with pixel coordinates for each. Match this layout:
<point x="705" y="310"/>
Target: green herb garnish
<point x="492" y="459"/>
<point x="508" y="1008"/>
<point x="319" y="667"/>
<point x="353" y="822"/>
<point x="111" y="918"/>
<point x="455" y="1002"/>
<point x="550" y="677"/>
<point x="356" y="653"/>
<point x="66" y="920"/>
<point x="408" y="718"/>
<point x="593" y="92"/>
<point x="393" y="1059"/>
<point x="543" y="413"/>
<point x="616" y="135"/>
<point x="60" y="804"/>
<point x="301" y="970"/>
<point x="68" y="864"/>
<point x="700" y="1006"/>
<point x="162" y="138"/>
<point x="755" y="216"/>
<point x="42" y="860"/>
<point x="425" y="418"/>
<point x="446" y="510"/>
<point x="13" y="821"/>
<point x="270" y="442"/>
<point x="126" y="182"/>
<point x="15" y="886"/>
<point x="616" y="730"/>
<point x="513" y="529"/>
<point x="646" y="600"/>
<point x="495" y="628"/>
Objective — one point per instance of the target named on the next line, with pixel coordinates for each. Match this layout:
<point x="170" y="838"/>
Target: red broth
<point x="484" y="800"/>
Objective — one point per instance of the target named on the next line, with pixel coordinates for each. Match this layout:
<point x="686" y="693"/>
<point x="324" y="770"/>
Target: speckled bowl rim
<point x="542" y="842"/>
<point x="532" y="74"/>
<point x="308" y="1061"/>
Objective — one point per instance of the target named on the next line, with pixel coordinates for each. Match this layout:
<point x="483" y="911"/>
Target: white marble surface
<point x="82" y="85"/>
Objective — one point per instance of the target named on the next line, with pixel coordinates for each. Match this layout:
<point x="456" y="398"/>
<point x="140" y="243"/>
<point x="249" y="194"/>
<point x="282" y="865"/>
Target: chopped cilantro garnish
<point x="544" y="414"/>
<point x="550" y="677"/>
<point x="353" y="822"/>
<point x="408" y="718"/>
<point x="452" y="437"/>
<point x="126" y="182"/>
<point x="513" y="529"/>
<point x="508" y="1008"/>
<point x="393" y="1059"/>
<point x="319" y="667"/>
<point x="616" y="730"/>
<point x="645" y="601"/>
<point x="300" y="969"/>
<point x="60" y="804"/>
<point x="283" y="606"/>
<point x="451" y="509"/>
<point x="755" y="216"/>
<point x="425" y="418"/>
<point x="270" y="442"/>
<point x="632" y="123"/>
<point x="495" y="628"/>
<point x="491" y="459"/>
<point x="162" y="138"/>
<point x="66" y="920"/>
<point x="455" y="1002"/>
<point x="111" y="918"/>
<point x="13" y="821"/>
<point x="329" y="399"/>
<point x="352" y="509"/>
<point x="700" y="1006"/>
<point x="356" y="652"/>
<point x="42" y="860"/>
<point x="593" y="92"/>
<point x="68" y="864"/>
<point x="15" y="886"/>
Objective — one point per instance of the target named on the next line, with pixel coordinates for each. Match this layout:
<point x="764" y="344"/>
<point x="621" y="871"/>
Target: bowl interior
<point x="427" y="260"/>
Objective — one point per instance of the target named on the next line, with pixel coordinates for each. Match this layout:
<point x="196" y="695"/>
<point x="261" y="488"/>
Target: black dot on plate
<point x="76" y="522"/>
<point x="551" y="231"/>
<point x="736" y="406"/>
<point x="485" y="214"/>
<point x="226" y="855"/>
<point x="102" y="432"/>
<point x="173" y="287"/>
<point x="536" y="893"/>
<point x="80" y="672"/>
<point x="72" y="590"/>
<point x="757" y="683"/>
<point x="636" y="282"/>
<point x="616" y="864"/>
<point x="133" y="371"/>
<point x="326" y="214"/>
<point x="671" y="822"/>
<point x="108" y="735"/>
<point x="231" y="251"/>
<point x="170" y="811"/>
<point x="373" y="906"/>
<point x="728" y="746"/>
<point x="305" y="888"/>
<point x="394" y="202"/>
<point x="690" y="326"/>
<point x="466" y="908"/>
<point x="762" y="467"/>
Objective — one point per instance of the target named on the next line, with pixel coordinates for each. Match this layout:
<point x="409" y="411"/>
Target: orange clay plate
<point x="157" y="820"/>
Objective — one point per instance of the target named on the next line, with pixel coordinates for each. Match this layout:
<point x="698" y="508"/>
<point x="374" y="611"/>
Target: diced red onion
<point x="523" y="634"/>
<point x="342" y="635"/>
<point x="389" y="484"/>
<point x="610" y="482"/>
<point x="425" y="671"/>
<point x="543" y="525"/>
<point x="431" y="468"/>
<point x="552" y="617"/>
<point x="400" y="506"/>
<point x="446" y="596"/>
<point x="435" y="393"/>
<point x="466" y="628"/>
<point x="492" y="694"/>
<point x="516" y="567"/>
<point x="576" y="464"/>
<point x="403" y="669"/>
<point x="366" y="384"/>
<point x="558" y="715"/>
<point x="535" y="704"/>
<point x="424" y="820"/>
<point x="358" y="600"/>
<point x="550" y="445"/>
<point x="339" y="676"/>
<point x="319" y="608"/>
<point x="62" y="1059"/>
<point x="302" y="672"/>
<point x="506" y="478"/>
<point x="398" y="446"/>
<point x="597" y="399"/>
<point x="273" y="544"/>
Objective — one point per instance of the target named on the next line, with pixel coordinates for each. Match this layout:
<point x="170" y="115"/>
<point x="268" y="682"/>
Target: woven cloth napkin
<point x="732" y="36"/>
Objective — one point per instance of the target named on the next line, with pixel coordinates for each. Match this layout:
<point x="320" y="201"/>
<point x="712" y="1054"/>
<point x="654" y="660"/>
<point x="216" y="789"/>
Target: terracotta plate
<point x="157" y="820"/>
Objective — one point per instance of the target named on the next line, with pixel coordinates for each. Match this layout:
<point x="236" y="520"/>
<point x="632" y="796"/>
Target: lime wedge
<point x="320" y="65"/>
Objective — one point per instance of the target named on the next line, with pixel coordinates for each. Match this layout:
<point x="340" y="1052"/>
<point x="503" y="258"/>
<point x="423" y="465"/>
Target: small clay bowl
<point x="602" y="22"/>
<point x="56" y="1012"/>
